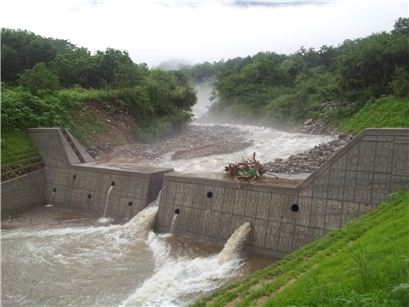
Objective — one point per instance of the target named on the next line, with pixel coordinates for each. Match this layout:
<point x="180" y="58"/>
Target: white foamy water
<point x="180" y="281"/>
<point x="111" y="265"/>
<point x="268" y="144"/>
<point x="94" y="264"/>
<point x="76" y="266"/>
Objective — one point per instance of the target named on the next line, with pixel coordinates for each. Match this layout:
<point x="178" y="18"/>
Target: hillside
<point x="385" y="112"/>
<point x="50" y="82"/>
<point x="328" y="84"/>
<point x="364" y="264"/>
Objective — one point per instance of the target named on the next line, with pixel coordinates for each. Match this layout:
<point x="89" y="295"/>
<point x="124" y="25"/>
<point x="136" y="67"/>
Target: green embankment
<point x="364" y="264"/>
<point x="385" y="112"/>
<point x="85" y="112"/>
<point x="16" y="146"/>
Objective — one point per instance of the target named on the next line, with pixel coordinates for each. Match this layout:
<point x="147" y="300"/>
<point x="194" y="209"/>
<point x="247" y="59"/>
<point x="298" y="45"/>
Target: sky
<point x="197" y="31"/>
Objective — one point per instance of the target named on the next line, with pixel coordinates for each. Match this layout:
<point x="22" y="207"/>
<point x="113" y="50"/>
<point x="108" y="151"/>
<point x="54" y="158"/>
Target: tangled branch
<point x="245" y="170"/>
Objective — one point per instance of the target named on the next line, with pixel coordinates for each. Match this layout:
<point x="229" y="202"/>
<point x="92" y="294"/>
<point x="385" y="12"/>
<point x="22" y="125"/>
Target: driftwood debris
<point x="245" y="170"/>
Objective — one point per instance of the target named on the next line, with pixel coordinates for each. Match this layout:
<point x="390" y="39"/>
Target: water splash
<point x="51" y="199"/>
<point x="268" y="143"/>
<point x="172" y="224"/>
<point x="131" y="255"/>
<point x="101" y="259"/>
<point x="180" y="281"/>
<point x="141" y="223"/>
<point x="104" y="219"/>
<point x="234" y="243"/>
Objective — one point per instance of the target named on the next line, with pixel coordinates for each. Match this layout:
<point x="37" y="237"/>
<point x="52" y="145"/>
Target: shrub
<point x="39" y="78"/>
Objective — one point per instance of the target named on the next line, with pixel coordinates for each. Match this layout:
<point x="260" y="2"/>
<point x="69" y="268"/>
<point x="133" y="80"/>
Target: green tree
<point x="21" y="50"/>
<point x="401" y="26"/>
<point x="39" y="78"/>
<point x="400" y="82"/>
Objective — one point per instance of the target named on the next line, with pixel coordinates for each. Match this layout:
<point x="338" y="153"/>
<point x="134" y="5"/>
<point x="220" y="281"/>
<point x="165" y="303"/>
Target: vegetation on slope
<point x="47" y="82"/>
<point x="16" y="146"/>
<point x="385" y="112"/>
<point x="331" y="83"/>
<point x="364" y="264"/>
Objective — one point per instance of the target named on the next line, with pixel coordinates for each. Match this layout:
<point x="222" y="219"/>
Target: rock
<point x="308" y="122"/>
<point x="308" y="161"/>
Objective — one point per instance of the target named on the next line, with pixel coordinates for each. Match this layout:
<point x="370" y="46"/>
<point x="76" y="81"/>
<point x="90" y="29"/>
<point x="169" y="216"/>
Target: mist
<point x="198" y="31"/>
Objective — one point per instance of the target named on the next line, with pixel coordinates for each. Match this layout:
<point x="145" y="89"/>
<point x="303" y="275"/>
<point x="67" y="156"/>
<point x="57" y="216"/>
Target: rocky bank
<point x="308" y="161"/>
<point x="195" y="141"/>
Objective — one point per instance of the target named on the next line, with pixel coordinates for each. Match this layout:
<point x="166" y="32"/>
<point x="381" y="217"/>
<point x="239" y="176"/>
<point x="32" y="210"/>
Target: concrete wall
<point x="24" y="191"/>
<point x="80" y="182"/>
<point x="353" y="182"/>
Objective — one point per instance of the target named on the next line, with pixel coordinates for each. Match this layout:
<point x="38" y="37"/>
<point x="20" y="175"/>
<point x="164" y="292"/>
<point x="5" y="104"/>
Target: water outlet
<point x="295" y="208"/>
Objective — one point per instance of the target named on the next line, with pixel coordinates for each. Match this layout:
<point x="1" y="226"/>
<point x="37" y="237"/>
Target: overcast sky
<point x="155" y="31"/>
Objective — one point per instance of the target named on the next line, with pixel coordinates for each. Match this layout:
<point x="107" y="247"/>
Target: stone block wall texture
<point x="80" y="182"/>
<point x="24" y="191"/>
<point x="358" y="177"/>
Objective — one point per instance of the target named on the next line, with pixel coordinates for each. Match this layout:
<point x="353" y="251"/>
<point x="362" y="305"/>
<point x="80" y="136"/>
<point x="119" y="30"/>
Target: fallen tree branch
<point x="246" y="170"/>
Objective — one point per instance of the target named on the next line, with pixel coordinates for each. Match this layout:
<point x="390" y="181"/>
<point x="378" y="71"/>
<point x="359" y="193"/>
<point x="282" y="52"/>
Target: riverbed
<point x="60" y="257"/>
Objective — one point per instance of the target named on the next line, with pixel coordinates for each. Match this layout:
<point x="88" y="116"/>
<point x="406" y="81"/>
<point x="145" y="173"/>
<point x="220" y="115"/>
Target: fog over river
<point x="208" y="146"/>
<point x="57" y="257"/>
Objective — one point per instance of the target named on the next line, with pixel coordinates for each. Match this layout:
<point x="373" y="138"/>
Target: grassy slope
<point x="388" y="112"/>
<point x="364" y="264"/>
<point x="16" y="146"/>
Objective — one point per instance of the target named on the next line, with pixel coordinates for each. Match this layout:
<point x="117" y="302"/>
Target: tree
<point x="401" y="26"/>
<point x="21" y="50"/>
<point x="39" y="78"/>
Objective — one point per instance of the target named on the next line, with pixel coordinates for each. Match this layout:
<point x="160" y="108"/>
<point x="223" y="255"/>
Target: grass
<point x="364" y="264"/>
<point x="84" y="125"/>
<point x="385" y="112"/>
<point x="16" y="146"/>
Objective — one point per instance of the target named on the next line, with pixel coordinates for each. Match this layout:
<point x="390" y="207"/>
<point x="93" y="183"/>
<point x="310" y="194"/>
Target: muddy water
<point x="267" y="143"/>
<point x="208" y="147"/>
<point x="55" y="257"/>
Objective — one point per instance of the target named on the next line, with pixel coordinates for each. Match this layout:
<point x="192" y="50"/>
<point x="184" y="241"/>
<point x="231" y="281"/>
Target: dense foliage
<point x="332" y="82"/>
<point x="45" y="79"/>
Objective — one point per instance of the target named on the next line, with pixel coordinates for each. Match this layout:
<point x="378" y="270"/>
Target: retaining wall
<point x="284" y="218"/>
<point x="78" y="181"/>
<point x="24" y="191"/>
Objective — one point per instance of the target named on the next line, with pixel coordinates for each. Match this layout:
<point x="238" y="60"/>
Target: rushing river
<point x="268" y="143"/>
<point x="69" y="261"/>
<point x="55" y="257"/>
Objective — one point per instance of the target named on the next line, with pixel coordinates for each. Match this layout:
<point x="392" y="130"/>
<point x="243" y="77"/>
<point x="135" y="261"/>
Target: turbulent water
<point x="52" y="258"/>
<point x="116" y="265"/>
<point x="268" y="143"/>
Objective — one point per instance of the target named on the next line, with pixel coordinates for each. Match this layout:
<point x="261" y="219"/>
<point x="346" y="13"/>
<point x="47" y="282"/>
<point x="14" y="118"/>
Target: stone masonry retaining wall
<point x="359" y="176"/>
<point x="24" y="191"/>
<point x="80" y="182"/>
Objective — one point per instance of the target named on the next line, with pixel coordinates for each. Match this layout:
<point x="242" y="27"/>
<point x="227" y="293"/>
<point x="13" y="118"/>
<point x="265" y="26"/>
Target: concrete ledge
<point x="22" y="192"/>
<point x="284" y="218"/>
<point x="80" y="182"/>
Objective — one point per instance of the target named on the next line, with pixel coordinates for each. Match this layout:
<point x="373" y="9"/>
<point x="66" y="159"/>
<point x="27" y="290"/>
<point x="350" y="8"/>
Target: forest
<point x="331" y="83"/>
<point x="44" y="80"/>
<point x="48" y="82"/>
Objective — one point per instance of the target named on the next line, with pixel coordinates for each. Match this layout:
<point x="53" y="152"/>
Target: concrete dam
<point x="284" y="214"/>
